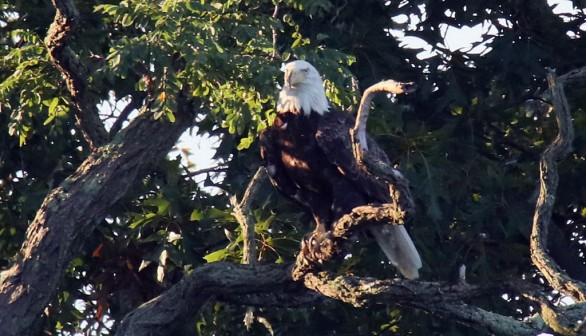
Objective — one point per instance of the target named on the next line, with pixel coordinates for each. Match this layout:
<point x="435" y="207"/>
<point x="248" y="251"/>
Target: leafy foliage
<point x="468" y="141"/>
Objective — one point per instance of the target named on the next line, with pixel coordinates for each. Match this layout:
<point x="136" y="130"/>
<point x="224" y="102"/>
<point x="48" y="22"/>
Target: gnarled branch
<point x="272" y="286"/>
<point x="556" y="151"/>
<point x="359" y="131"/>
<point x="85" y="108"/>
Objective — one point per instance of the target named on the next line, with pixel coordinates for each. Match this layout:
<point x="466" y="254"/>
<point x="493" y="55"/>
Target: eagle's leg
<point x="318" y="246"/>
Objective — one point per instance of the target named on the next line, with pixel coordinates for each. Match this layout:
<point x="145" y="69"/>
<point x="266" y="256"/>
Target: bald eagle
<point x="309" y="159"/>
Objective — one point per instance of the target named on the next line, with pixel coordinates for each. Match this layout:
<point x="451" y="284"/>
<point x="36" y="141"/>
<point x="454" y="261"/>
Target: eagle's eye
<point x="305" y="70"/>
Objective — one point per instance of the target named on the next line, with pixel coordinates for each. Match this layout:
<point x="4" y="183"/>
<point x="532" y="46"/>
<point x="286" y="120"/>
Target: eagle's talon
<point x="317" y="248"/>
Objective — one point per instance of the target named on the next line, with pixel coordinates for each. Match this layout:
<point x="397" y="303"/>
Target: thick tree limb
<point x="556" y="151"/>
<point x="85" y="108"/>
<point x="272" y="286"/>
<point x="445" y="301"/>
<point x="225" y="281"/>
<point x="308" y="260"/>
<point x="70" y="212"/>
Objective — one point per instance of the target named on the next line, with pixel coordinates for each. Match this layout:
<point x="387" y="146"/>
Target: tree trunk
<point x="71" y="211"/>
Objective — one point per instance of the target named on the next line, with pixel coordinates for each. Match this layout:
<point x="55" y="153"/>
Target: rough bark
<point x="85" y="108"/>
<point x="246" y="284"/>
<point x="556" y="151"/>
<point x="71" y="211"/>
<point x="273" y="286"/>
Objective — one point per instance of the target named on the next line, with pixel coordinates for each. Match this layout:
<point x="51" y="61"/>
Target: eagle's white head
<point x="303" y="90"/>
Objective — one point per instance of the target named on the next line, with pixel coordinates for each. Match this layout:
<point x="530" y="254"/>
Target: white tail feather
<point x="398" y="247"/>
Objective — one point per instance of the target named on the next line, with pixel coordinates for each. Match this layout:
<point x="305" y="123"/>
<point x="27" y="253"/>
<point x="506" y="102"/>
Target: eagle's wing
<point x="270" y="151"/>
<point x="333" y="137"/>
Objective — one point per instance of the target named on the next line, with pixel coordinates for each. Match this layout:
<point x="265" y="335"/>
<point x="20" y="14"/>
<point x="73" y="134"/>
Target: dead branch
<point x="572" y="77"/>
<point x="560" y="319"/>
<point x="217" y="169"/>
<point x="556" y="151"/>
<point x="67" y="62"/>
<point x="240" y="211"/>
<point x="359" y="131"/>
<point x="221" y="280"/>
<point x="275" y="53"/>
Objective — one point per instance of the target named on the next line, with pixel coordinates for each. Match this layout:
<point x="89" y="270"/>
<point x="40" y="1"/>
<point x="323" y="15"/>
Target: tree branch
<point x="222" y="280"/>
<point x="241" y="213"/>
<point x="359" y="131"/>
<point x="85" y="108"/>
<point x="272" y="286"/>
<point x="577" y="75"/>
<point x="276" y="53"/>
<point x="70" y="212"/>
<point x="556" y="151"/>
<point x="310" y="258"/>
<point x="134" y="104"/>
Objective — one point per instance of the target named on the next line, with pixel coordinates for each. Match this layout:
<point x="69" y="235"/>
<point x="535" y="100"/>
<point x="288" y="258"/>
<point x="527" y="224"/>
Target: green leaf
<point x="196" y="215"/>
<point x="218" y="255"/>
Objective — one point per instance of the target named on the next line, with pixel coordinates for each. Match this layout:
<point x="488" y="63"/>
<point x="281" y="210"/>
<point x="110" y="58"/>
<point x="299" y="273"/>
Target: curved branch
<point x="556" y="151"/>
<point x="310" y="258"/>
<point x="71" y="211"/>
<point x="85" y="109"/>
<point x="272" y="286"/>
<point x="391" y="86"/>
<point x="223" y="280"/>
<point x="275" y="53"/>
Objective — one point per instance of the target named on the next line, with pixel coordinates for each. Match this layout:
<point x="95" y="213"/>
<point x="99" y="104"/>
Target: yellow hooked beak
<point x="288" y="75"/>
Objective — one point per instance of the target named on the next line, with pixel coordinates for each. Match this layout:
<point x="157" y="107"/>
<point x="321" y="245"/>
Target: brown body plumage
<point x="309" y="158"/>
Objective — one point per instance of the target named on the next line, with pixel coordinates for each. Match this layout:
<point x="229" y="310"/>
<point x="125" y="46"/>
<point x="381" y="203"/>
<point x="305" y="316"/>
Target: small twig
<point x="556" y="151"/>
<point x="275" y="35"/>
<point x="359" y="131"/>
<point x="134" y="104"/>
<point x="355" y="92"/>
<point x="462" y="275"/>
<point x="217" y="169"/>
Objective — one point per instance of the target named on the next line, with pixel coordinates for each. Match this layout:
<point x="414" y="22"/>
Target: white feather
<point x="399" y="248"/>
<point x="303" y="90"/>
